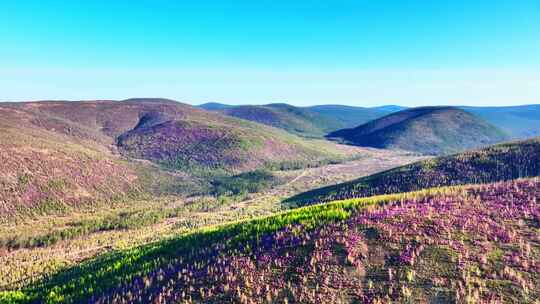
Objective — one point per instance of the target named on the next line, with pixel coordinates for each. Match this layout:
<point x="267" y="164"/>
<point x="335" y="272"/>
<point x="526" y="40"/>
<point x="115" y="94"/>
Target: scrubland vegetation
<point x="495" y="163"/>
<point x="250" y="182"/>
<point x="49" y="243"/>
<point x="120" y="221"/>
<point x="466" y="244"/>
<point x="72" y="238"/>
<point x="303" y="164"/>
<point x="168" y="203"/>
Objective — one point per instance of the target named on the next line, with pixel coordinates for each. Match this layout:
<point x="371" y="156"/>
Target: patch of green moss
<point x="23" y="181"/>
<point x="507" y="290"/>
<point x="57" y="184"/>
<point x="438" y="260"/>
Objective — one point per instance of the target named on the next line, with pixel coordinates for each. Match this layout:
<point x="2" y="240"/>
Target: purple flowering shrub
<point x="476" y="244"/>
<point x="492" y="164"/>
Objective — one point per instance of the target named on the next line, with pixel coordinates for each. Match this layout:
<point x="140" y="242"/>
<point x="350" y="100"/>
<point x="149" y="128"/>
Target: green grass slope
<point x="473" y="244"/>
<point x="427" y="130"/>
<point x="495" y="163"/>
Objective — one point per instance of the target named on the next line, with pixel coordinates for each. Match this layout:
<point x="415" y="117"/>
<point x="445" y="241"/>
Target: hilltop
<point x="495" y="163"/>
<point x="427" y="130"/>
<point x="462" y="244"/>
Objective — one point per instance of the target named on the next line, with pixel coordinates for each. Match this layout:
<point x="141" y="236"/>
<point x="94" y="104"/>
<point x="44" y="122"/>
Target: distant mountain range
<point x="212" y="106"/>
<point x="518" y="122"/>
<point x="427" y="130"/>
<point x="390" y="108"/>
<point x="300" y="121"/>
<point x="348" y="116"/>
<point x="313" y="121"/>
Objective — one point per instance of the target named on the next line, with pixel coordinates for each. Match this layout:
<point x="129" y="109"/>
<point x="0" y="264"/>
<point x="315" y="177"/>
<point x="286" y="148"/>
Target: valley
<point x="108" y="192"/>
<point x="48" y="243"/>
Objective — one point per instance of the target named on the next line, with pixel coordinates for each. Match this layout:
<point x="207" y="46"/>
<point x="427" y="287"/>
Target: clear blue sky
<point x="359" y="52"/>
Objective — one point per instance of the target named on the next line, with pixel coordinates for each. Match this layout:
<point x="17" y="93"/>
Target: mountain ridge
<point x="312" y="121"/>
<point x="520" y="122"/>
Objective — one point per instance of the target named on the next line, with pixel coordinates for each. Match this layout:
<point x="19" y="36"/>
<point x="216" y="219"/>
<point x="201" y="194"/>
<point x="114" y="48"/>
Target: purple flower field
<point x="476" y="244"/>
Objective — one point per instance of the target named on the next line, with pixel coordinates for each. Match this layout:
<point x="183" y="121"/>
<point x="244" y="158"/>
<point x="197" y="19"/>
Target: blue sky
<point x="360" y="52"/>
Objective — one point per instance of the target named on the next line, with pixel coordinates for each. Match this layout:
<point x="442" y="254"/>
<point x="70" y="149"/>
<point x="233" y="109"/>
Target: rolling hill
<point x="496" y="163"/>
<point x="170" y="132"/>
<point x="314" y="121"/>
<point x="427" y="130"/>
<point x="472" y="244"/>
<point x="295" y="120"/>
<point x="519" y="122"/>
<point x="62" y="154"/>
